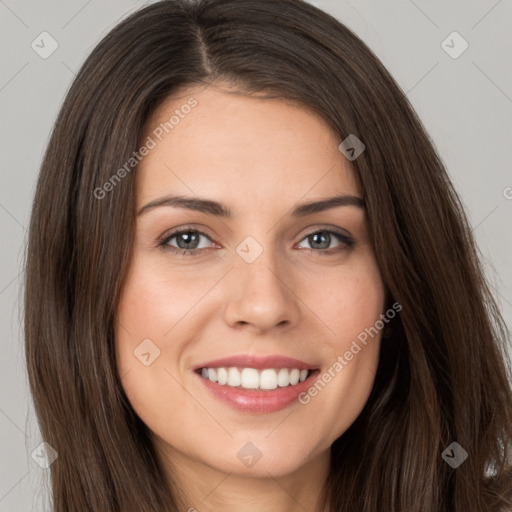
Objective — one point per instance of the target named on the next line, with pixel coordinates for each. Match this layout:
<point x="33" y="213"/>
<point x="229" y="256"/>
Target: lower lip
<point x="256" y="401"/>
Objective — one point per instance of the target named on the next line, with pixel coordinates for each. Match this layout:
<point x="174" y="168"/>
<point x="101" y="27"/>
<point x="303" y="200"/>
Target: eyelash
<point x="346" y="242"/>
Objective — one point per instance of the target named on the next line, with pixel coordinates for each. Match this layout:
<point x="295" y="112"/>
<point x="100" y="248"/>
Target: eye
<point x="322" y="240"/>
<point x="187" y="240"/>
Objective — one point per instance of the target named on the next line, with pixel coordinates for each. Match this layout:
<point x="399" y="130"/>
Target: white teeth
<point x="233" y="377"/>
<point x="222" y="376"/>
<point x="294" y="376"/>
<point x="251" y="378"/>
<point x="283" y="378"/>
<point x="268" y="379"/>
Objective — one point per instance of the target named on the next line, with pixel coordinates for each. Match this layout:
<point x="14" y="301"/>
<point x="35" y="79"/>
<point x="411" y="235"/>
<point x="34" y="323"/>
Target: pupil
<point x="187" y="236"/>
<point x="321" y="234"/>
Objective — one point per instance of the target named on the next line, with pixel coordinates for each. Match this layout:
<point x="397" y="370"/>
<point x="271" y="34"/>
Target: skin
<point x="260" y="157"/>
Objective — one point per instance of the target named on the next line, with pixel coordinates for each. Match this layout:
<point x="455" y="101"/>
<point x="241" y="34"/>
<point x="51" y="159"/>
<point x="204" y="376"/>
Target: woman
<point x="191" y="347"/>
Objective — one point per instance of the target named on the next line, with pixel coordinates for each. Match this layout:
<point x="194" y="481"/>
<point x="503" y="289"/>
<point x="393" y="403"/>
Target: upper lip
<point x="261" y="362"/>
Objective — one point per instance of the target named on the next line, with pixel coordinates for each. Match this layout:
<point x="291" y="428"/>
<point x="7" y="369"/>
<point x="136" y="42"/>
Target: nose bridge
<point x="259" y="293"/>
<point x="259" y="268"/>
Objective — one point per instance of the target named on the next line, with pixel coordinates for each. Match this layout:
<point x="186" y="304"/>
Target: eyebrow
<point x="210" y="207"/>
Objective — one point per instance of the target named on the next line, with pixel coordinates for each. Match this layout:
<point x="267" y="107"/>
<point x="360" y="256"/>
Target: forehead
<point x="241" y="148"/>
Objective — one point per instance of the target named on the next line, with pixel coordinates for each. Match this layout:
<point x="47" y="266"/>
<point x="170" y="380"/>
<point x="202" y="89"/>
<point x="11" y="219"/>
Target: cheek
<point x="352" y="310"/>
<point x="146" y="312"/>
<point x="350" y="303"/>
<point x="144" y="315"/>
<point x="152" y="319"/>
<point x="153" y="301"/>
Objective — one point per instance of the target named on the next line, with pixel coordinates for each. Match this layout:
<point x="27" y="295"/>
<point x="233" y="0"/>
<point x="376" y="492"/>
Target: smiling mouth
<point x="265" y="379"/>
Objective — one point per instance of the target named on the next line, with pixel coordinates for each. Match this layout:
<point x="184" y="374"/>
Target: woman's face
<point x="277" y="290"/>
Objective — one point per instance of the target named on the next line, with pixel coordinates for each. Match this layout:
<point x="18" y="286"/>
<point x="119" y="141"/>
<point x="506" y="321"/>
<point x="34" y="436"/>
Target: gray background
<point x="465" y="104"/>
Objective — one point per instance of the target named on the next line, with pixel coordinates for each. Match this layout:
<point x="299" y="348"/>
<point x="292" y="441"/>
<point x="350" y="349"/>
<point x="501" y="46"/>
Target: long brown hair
<point x="443" y="375"/>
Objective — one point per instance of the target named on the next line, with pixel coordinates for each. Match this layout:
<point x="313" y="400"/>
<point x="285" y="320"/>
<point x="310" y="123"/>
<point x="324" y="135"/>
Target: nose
<point x="261" y="295"/>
